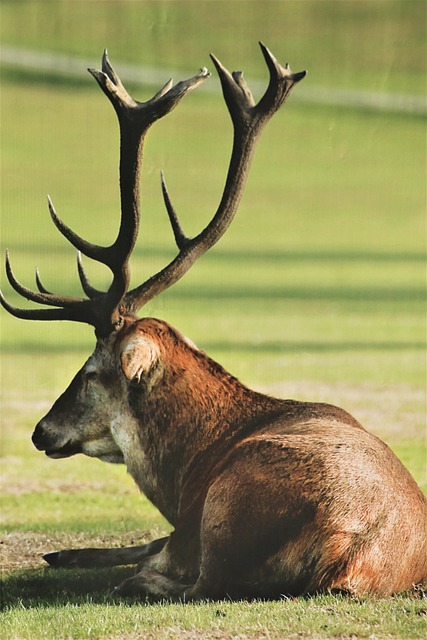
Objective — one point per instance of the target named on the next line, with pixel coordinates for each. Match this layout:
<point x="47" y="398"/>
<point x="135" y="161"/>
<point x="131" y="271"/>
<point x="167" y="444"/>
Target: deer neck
<point x="194" y="410"/>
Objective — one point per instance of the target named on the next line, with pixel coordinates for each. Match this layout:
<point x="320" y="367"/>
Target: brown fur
<point x="266" y="496"/>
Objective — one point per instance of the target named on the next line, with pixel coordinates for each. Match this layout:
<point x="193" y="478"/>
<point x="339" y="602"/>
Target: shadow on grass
<point x="32" y="588"/>
<point x="53" y="78"/>
<point x="249" y="255"/>
<point x="262" y="347"/>
<point x="36" y="588"/>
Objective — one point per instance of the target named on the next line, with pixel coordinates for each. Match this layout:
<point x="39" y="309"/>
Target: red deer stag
<point x="266" y="496"/>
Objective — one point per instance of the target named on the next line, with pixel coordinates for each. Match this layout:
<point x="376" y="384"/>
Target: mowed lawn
<point x="317" y="292"/>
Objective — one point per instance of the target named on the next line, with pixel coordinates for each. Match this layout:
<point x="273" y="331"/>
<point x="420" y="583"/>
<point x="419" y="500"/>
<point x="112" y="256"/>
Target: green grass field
<point x="316" y="292"/>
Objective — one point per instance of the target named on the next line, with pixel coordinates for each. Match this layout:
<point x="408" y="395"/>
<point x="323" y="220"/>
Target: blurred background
<point x="318" y="288"/>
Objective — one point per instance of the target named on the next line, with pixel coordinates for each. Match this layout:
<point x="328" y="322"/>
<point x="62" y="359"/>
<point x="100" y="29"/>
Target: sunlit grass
<point x="325" y="616"/>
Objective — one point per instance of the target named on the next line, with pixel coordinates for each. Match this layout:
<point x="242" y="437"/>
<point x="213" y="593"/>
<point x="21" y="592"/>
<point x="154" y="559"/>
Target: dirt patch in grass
<point x="214" y="634"/>
<point x="13" y="485"/>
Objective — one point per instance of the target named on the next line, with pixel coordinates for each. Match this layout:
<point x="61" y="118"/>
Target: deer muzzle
<point x="53" y="446"/>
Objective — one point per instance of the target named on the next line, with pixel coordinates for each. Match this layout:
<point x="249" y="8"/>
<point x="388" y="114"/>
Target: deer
<point x="266" y="497"/>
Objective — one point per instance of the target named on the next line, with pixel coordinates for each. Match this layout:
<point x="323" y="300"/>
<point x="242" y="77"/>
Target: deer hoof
<point x="151" y="585"/>
<point x="53" y="559"/>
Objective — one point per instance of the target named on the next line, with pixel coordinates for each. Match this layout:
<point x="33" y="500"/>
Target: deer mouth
<point x="64" y="452"/>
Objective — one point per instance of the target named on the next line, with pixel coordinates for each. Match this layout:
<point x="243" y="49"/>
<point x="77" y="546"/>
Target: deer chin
<point x="104" y="449"/>
<point x="112" y="458"/>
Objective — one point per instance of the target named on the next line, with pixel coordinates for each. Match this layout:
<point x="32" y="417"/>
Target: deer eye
<point x="91" y="375"/>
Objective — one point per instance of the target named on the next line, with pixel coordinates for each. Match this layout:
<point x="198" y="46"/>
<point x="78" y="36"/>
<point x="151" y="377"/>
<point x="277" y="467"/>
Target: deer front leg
<point x="170" y="573"/>
<point x="160" y="577"/>
<point x="87" y="558"/>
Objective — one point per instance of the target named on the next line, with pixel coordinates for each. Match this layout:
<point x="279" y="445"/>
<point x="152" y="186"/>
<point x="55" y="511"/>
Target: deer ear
<point x="138" y="356"/>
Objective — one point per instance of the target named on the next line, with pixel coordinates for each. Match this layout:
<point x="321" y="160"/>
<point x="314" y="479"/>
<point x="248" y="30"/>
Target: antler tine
<point x="168" y="85"/>
<point x="89" y="290"/>
<point x="39" y="314"/>
<point x="108" y="69"/>
<point x="90" y="250"/>
<point x="248" y="120"/>
<point x="282" y="79"/>
<point x="39" y="283"/>
<point x="180" y="238"/>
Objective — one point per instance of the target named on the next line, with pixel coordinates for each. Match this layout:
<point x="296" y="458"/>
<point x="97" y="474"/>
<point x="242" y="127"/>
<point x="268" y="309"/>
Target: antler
<point x="248" y="121"/>
<point x="106" y="310"/>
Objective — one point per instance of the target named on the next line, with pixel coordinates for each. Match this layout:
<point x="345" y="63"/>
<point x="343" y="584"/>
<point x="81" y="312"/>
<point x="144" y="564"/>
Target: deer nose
<point x="39" y="437"/>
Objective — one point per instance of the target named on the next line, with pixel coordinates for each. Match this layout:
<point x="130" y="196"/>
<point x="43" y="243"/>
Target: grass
<point x="316" y="292"/>
<point x="326" y="616"/>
